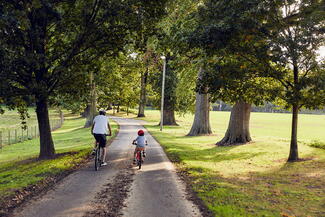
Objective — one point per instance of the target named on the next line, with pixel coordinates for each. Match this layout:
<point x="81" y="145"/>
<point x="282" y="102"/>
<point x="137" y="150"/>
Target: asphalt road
<point x="156" y="190"/>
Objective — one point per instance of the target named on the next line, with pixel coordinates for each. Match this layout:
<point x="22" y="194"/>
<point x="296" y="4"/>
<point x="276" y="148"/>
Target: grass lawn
<point x="10" y="119"/>
<point x="252" y="179"/>
<point x="11" y="130"/>
<point x="20" y="168"/>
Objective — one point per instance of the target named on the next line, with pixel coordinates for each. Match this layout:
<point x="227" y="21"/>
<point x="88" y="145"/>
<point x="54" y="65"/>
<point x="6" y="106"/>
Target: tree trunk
<point x="92" y="104"/>
<point x="201" y="123"/>
<point x="61" y="115"/>
<point x="46" y="142"/>
<point x="143" y="93"/>
<point x="238" y="128"/>
<point x="169" y="117"/>
<point x="170" y="94"/>
<point x="118" y="109"/>
<point x="293" y="156"/>
<point x="86" y="112"/>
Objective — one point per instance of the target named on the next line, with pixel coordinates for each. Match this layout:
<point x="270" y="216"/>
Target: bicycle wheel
<point x="139" y="159"/>
<point x="97" y="159"/>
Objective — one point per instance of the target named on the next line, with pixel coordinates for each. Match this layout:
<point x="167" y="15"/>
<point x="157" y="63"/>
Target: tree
<point x="92" y="101"/>
<point x="296" y="30"/>
<point x="41" y="40"/>
<point x="228" y="76"/>
<point x="119" y="81"/>
<point x="172" y="44"/>
<point x="147" y="28"/>
<point x="281" y="38"/>
<point x="201" y="123"/>
<point x="235" y="80"/>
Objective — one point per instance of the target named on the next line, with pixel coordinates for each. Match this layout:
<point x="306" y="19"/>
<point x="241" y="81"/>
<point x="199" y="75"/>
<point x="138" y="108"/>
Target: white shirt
<point x="100" y="126"/>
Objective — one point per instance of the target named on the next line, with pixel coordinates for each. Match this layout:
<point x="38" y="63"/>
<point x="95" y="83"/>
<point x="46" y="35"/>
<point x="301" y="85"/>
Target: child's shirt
<point x="141" y="141"/>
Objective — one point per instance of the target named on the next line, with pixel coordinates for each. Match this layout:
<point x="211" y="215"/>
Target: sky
<point x="321" y="52"/>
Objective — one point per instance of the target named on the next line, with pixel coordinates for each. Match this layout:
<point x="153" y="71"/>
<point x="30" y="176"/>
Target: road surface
<point x="156" y="190"/>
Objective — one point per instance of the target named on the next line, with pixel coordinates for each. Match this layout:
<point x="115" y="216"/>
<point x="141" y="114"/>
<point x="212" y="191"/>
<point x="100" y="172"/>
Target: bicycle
<point x="98" y="152"/>
<point x="139" y="157"/>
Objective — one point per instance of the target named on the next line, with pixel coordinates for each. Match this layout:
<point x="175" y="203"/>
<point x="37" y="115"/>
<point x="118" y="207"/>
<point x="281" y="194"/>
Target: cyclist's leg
<point x="135" y="155"/>
<point x="102" y="144"/>
<point x="104" y="154"/>
<point x="144" y="152"/>
<point x="97" y="139"/>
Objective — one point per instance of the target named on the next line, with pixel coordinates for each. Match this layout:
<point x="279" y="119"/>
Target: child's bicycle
<point x="139" y="157"/>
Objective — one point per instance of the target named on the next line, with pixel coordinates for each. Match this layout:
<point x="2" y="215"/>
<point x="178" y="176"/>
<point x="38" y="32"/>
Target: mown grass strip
<point x="252" y="179"/>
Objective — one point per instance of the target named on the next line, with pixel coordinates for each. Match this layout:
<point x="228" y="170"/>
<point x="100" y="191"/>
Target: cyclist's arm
<point x="92" y="128"/>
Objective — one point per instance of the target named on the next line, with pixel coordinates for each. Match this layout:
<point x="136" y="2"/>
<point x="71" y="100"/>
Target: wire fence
<point x="14" y="135"/>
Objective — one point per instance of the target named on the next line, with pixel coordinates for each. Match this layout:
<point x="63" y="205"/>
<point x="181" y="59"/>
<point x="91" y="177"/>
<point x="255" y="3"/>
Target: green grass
<point x="252" y="179"/>
<point x="20" y="168"/>
<point x="11" y="130"/>
<point x="11" y="119"/>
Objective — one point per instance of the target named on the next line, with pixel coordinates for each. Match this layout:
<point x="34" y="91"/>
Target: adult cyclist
<point x="100" y="130"/>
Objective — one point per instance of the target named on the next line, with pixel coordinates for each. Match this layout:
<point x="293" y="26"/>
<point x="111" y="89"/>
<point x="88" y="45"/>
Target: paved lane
<point x="156" y="190"/>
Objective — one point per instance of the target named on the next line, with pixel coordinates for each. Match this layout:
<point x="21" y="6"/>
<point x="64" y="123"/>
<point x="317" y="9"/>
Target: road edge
<point x="183" y="175"/>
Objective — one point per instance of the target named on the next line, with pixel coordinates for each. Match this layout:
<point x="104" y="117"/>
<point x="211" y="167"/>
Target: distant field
<point x="11" y="119"/>
<point x="252" y="179"/>
<point x="11" y="130"/>
<point x="263" y="126"/>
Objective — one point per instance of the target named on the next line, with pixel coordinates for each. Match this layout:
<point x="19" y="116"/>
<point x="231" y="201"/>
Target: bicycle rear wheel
<point x="97" y="159"/>
<point x="140" y="159"/>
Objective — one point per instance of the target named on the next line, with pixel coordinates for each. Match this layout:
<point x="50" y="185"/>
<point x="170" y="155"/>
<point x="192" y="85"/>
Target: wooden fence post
<point x="15" y="135"/>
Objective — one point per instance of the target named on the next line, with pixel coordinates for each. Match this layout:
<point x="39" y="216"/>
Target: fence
<point x="12" y="136"/>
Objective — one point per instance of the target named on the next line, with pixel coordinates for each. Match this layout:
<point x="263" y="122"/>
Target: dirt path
<point x="155" y="190"/>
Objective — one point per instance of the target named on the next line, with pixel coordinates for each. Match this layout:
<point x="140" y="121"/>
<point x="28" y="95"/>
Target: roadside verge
<point x="22" y="178"/>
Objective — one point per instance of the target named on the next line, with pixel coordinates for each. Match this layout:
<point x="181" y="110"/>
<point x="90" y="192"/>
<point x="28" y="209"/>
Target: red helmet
<point x="140" y="132"/>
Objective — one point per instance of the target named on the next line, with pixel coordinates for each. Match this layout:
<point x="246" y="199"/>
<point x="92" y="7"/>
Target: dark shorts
<point x="101" y="139"/>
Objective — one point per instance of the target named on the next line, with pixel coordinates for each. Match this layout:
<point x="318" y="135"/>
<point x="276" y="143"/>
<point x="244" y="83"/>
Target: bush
<point x="317" y="144"/>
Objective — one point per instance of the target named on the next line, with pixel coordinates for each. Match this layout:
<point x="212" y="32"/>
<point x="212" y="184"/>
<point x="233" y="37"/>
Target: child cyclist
<point x="140" y="142"/>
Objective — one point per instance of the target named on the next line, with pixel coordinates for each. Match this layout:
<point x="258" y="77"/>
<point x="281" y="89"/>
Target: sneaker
<point x="104" y="164"/>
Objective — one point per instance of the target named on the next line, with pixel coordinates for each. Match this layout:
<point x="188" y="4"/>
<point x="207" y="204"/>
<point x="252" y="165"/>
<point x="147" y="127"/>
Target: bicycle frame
<point x="139" y="158"/>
